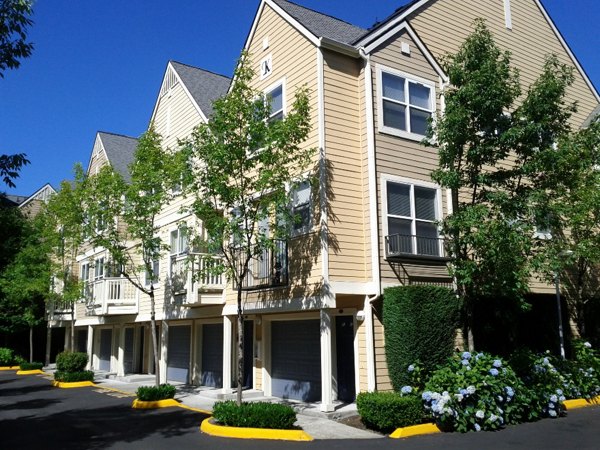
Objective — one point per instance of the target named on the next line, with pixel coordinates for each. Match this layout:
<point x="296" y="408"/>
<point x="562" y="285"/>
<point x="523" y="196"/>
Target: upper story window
<point x="179" y="241"/>
<point x="412" y="211"/>
<point x="274" y="97"/>
<point x="99" y="268"/>
<point x="406" y="104"/>
<point x="152" y="277"/>
<point x="85" y="273"/>
<point x="301" y="208"/>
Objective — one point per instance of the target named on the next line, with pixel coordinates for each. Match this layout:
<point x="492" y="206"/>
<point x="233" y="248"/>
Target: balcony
<point x="270" y="269"/>
<point x="59" y="310"/>
<point x="402" y="247"/>
<point x="111" y="296"/>
<point x="191" y="280"/>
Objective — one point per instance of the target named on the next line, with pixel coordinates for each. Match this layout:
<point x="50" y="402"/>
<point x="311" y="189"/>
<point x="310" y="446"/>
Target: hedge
<point x="7" y="357"/>
<point x="74" y="377"/>
<point x="255" y="415"/>
<point x="420" y="325"/>
<point x="71" y="361"/>
<point x="154" y="393"/>
<point x="386" y="411"/>
<point x="31" y="366"/>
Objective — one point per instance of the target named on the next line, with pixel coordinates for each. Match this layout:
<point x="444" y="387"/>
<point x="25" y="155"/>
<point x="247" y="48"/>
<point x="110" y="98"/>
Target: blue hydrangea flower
<point x="426" y="396"/>
<point x="465" y="362"/>
<point x="466" y="355"/>
<point x="552" y="413"/>
<point x="477" y="427"/>
<point x="463" y="392"/>
<point x="480" y="414"/>
<point x="553" y="398"/>
<point x="471" y="390"/>
<point x="587" y="345"/>
<point x="509" y="391"/>
<point x="411" y="368"/>
<point x="546" y="361"/>
<point x="494" y="372"/>
<point x="497" y="363"/>
<point x="559" y="391"/>
<point x="406" y="390"/>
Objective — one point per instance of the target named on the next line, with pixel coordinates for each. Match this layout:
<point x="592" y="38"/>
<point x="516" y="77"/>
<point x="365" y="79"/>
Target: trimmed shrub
<point x="73" y="377"/>
<point x="31" y="366"/>
<point x="420" y="325"/>
<point x="71" y="361"/>
<point x="7" y="357"/>
<point x="153" y="393"/>
<point x="255" y="415"/>
<point x="386" y="411"/>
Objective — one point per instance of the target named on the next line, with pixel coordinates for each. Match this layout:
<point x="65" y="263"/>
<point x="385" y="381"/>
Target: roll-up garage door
<point x="296" y="360"/>
<point x="105" y="349"/>
<point x="212" y="355"/>
<point x="128" y="351"/>
<point x="178" y="356"/>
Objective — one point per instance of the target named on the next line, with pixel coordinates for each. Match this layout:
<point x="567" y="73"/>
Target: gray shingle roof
<point x="119" y="151"/>
<point x="322" y="25"/>
<point x="399" y="11"/>
<point x="203" y="85"/>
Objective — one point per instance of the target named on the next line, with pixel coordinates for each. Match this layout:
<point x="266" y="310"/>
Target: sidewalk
<point x="316" y="423"/>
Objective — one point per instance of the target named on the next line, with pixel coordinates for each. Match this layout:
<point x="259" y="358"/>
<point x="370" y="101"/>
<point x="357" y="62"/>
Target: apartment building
<point x="314" y="331"/>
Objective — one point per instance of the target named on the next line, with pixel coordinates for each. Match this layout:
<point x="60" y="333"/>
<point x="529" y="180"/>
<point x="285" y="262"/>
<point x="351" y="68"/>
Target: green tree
<point x="244" y="163"/>
<point x="495" y="146"/>
<point x="128" y="214"/>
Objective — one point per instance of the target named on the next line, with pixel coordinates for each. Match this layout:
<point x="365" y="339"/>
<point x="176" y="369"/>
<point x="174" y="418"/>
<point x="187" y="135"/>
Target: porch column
<point x="326" y="362"/>
<point x="121" y="352"/>
<point x="369" y="344"/>
<point x="90" y="348"/>
<point x="67" y="338"/>
<point x="227" y="352"/>
<point x="164" y="353"/>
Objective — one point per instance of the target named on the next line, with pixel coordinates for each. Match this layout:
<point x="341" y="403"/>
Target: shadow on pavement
<point x="31" y="404"/>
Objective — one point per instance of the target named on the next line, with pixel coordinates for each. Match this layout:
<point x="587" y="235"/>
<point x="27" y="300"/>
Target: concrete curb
<point x="72" y="384"/>
<point x="415" y="430"/>
<point x="581" y="402"/>
<point x="140" y="404"/>
<point x="252" y="433"/>
<point x="9" y="368"/>
<point x="30" y="372"/>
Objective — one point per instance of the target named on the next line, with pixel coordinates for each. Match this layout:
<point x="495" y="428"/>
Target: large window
<point x="405" y="104"/>
<point x="412" y="212"/>
<point x="99" y="268"/>
<point x="301" y="208"/>
<point x="275" y="99"/>
<point x="152" y="278"/>
<point x="179" y="241"/>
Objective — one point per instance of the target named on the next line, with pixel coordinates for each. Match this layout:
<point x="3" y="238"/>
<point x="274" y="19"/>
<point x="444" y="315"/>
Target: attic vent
<point x="169" y="82"/>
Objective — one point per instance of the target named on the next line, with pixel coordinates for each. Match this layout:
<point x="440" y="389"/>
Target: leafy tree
<point x="128" y="213"/>
<point x="10" y="165"/>
<point x="495" y="147"/>
<point x="243" y="166"/>
<point x="64" y="216"/>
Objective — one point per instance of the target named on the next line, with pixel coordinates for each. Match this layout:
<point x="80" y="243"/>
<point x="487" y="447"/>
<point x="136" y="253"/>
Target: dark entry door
<point x="212" y="355"/>
<point x="344" y="340"/>
<point x="248" y="354"/>
<point x="178" y="360"/>
<point x="105" y="350"/>
<point x="128" y="351"/>
<point x="82" y="341"/>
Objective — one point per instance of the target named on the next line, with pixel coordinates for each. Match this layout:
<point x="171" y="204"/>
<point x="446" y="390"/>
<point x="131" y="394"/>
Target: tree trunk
<point x="154" y="338"/>
<point x="72" y="336"/>
<point x="240" y="342"/>
<point x="30" y="343"/>
<point x="48" y="343"/>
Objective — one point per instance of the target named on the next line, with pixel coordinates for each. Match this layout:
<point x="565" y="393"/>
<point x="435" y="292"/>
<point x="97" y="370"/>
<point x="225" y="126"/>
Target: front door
<point x="105" y="349"/>
<point x="248" y="354"/>
<point x="344" y="341"/>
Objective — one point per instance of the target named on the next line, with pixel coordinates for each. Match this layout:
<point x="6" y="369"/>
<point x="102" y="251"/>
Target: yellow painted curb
<point x="73" y="384"/>
<point x="9" y="368"/>
<point x="581" y="402"/>
<point x="203" y="411"/>
<point x="30" y="372"/>
<point x="139" y="404"/>
<point x="415" y="430"/>
<point x="253" y="433"/>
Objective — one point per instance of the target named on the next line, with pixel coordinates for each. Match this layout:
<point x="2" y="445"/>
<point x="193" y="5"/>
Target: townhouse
<point x="313" y="309"/>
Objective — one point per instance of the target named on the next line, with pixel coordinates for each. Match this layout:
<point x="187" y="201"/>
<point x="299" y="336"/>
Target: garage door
<point x="212" y="355"/>
<point x="105" y="349"/>
<point x="82" y="341"/>
<point x="178" y="357"/>
<point x="128" y="351"/>
<point x="296" y="360"/>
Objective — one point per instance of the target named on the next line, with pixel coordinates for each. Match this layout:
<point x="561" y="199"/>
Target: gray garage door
<point x="128" y="351"/>
<point x="212" y="355"/>
<point x="105" y="349"/>
<point x="178" y="358"/>
<point x="82" y="341"/>
<point x="296" y="360"/>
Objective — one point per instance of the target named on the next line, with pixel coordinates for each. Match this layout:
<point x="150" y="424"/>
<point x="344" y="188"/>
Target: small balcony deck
<point x="403" y="247"/>
<point x="111" y="296"/>
<point x="268" y="270"/>
<point x="190" y="278"/>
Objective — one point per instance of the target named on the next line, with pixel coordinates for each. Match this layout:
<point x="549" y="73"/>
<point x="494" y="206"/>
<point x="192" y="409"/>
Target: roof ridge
<point x="321" y="13"/>
<point x="117" y="134"/>
<point x="200" y="68"/>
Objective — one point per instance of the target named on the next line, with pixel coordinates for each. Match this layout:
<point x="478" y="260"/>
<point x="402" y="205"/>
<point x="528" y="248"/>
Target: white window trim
<point x="409" y="78"/>
<point x="385" y="178"/>
<point x="156" y="282"/>
<point x="271" y="88"/>
<point x="307" y="228"/>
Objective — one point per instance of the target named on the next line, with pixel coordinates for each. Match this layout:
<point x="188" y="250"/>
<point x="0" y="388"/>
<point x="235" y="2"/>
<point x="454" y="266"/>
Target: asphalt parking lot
<point x="33" y="414"/>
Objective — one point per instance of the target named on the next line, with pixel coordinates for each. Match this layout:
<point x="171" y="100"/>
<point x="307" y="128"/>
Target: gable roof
<point x="322" y="25"/>
<point x="205" y="87"/>
<point x="593" y="117"/>
<point x="42" y="194"/>
<point x="119" y="150"/>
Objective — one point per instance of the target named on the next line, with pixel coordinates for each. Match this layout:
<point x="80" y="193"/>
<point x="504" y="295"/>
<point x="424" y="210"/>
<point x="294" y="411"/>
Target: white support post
<point x="326" y="362"/>
<point x="164" y="354"/>
<point x="67" y="338"/>
<point x="90" y="347"/>
<point x="227" y="351"/>
<point x="369" y="344"/>
<point x="121" y="352"/>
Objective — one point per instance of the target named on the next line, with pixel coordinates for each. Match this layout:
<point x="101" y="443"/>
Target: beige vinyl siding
<point x="343" y="149"/>
<point x="445" y="24"/>
<point x="98" y="158"/>
<point x="382" y="377"/>
<point x="402" y="157"/>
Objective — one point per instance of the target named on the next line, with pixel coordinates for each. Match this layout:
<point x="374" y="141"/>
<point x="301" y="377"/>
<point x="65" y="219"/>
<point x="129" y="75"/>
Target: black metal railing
<point x="398" y="245"/>
<point x="269" y="269"/>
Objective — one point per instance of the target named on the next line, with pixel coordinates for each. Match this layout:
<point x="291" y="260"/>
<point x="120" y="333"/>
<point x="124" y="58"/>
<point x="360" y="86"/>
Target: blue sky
<point x="98" y="65"/>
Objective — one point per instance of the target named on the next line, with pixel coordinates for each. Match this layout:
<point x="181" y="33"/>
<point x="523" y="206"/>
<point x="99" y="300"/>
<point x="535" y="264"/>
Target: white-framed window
<point x="301" y="208"/>
<point x="153" y="276"/>
<point x="99" y="268"/>
<point x="411" y="211"/>
<point x="275" y="96"/>
<point x="405" y="105"/>
<point x="85" y="276"/>
<point x="179" y="241"/>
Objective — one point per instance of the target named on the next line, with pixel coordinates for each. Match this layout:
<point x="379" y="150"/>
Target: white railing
<point x="112" y="296"/>
<point x="191" y="276"/>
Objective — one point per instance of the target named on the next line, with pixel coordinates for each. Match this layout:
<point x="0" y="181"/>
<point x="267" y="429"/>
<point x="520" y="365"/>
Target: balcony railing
<point x="111" y="296"/>
<point x="398" y="246"/>
<point x="270" y="269"/>
<point x="59" y="309"/>
<point x="191" y="278"/>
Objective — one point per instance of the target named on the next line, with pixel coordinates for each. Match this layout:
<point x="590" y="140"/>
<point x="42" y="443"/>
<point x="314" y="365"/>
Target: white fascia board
<point x="568" y="50"/>
<point x="99" y="142"/>
<point x="426" y="53"/>
<point x="32" y="196"/>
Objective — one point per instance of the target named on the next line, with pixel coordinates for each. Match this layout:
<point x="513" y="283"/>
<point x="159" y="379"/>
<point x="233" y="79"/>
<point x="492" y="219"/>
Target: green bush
<point x="74" y="377"/>
<point x="386" y="411"/>
<point x="71" y="361"/>
<point x="31" y="366"/>
<point x="153" y="393"/>
<point x="420" y="325"/>
<point x="477" y="392"/>
<point x="255" y="415"/>
<point x="7" y="357"/>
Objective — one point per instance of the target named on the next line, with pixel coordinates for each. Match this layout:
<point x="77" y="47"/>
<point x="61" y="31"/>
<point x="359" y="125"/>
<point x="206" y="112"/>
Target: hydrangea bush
<point x="476" y="392"/>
